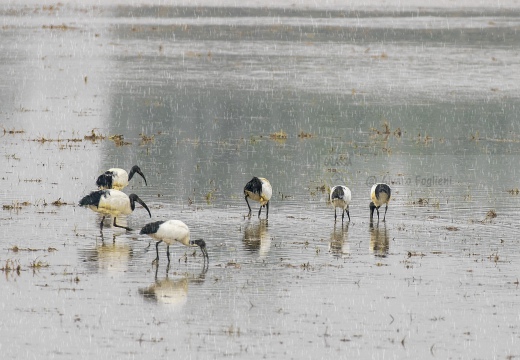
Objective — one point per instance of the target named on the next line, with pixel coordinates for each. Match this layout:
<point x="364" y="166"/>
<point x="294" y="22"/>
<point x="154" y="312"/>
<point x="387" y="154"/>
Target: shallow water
<point x="427" y="103"/>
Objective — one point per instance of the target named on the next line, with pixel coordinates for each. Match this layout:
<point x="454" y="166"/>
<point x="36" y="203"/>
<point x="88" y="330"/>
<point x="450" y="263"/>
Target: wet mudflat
<point x="205" y="98"/>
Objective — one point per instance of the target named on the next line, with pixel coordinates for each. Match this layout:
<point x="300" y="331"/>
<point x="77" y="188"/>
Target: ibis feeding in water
<point x="170" y="232"/>
<point x="340" y="197"/>
<point x="380" y="194"/>
<point x="117" y="178"/>
<point x="258" y="189"/>
<point x="112" y="202"/>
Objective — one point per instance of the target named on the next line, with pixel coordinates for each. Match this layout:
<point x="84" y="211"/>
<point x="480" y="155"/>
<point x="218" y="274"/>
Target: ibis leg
<point x="168" y="253"/>
<point x="348" y="214"/>
<point x="122" y="227"/>
<point x="335" y="215"/>
<point x="342" y="216"/>
<point x="259" y="210"/>
<point x="384" y="217"/>
<point x="247" y="202"/>
<point x="101" y="223"/>
<point x="267" y="210"/>
<point x="157" y="252"/>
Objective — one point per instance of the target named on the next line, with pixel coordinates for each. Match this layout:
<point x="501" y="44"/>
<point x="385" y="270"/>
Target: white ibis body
<point x="340" y="197"/>
<point x="380" y="194"/>
<point x="170" y="232"/>
<point x="112" y="202"/>
<point x="258" y="189"/>
<point x="117" y="178"/>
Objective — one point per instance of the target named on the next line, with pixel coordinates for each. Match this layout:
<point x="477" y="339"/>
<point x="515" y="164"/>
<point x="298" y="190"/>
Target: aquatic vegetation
<point x="304" y="135"/>
<point x="11" y="265"/>
<point x="38" y="264"/>
<point x="280" y="135"/>
<point x="13" y="131"/>
<point x="119" y="140"/>
<point x="94" y="136"/>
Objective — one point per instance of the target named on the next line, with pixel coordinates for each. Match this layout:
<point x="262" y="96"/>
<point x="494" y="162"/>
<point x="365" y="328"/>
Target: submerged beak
<point x="202" y="246"/>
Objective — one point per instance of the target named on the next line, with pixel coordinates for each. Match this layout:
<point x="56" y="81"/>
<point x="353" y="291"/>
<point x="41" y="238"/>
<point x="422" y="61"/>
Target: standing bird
<point x="112" y="202"/>
<point x="117" y="178"/>
<point x="258" y="189"/>
<point x="172" y="231"/>
<point x="380" y="194"/>
<point x="340" y="197"/>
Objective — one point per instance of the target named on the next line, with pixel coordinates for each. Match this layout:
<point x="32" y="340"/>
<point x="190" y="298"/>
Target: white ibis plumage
<point x="172" y="231"/>
<point x="117" y="179"/>
<point x="380" y="194"/>
<point x="258" y="189"/>
<point x="112" y="202"/>
<point x="340" y="197"/>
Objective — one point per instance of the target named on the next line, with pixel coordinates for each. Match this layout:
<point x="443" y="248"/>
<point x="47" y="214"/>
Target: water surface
<point x="423" y="100"/>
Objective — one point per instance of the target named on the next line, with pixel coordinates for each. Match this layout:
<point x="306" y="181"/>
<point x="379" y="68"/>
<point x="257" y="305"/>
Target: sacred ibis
<point x="258" y="189"/>
<point x="117" y="178"/>
<point x="172" y="231"/>
<point x="340" y="197"/>
<point x="380" y="194"/>
<point x="112" y="202"/>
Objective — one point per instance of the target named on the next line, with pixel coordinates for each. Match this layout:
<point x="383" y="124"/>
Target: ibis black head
<point x="372" y="208"/>
<point x="200" y="243"/>
<point x="136" y="169"/>
<point x="133" y="199"/>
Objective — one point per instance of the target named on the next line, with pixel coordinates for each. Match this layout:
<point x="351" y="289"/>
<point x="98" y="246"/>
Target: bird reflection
<point x="379" y="243"/>
<point x="338" y="241"/>
<point x="256" y="238"/>
<point x="111" y="258"/>
<point x="171" y="293"/>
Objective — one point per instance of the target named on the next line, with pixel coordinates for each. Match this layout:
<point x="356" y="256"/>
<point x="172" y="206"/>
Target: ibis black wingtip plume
<point x="92" y="199"/>
<point x="254" y="186"/>
<point x="105" y="180"/>
<point x="151" y="228"/>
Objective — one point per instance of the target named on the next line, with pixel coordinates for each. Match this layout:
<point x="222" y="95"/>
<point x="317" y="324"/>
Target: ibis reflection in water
<point x="379" y="194"/>
<point x="256" y="238"/>
<point x="379" y="240"/>
<point x="112" y="202"/>
<point x="258" y="189"/>
<point x="171" y="293"/>
<point x="339" y="241"/>
<point x="117" y="179"/>
<point x="108" y="258"/>
<point x="170" y="232"/>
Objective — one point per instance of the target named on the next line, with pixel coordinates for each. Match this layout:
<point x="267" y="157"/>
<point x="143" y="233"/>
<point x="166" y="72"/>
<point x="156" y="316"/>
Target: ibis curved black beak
<point x="202" y="245"/>
<point x="134" y="197"/>
<point x="136" y="169"/>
